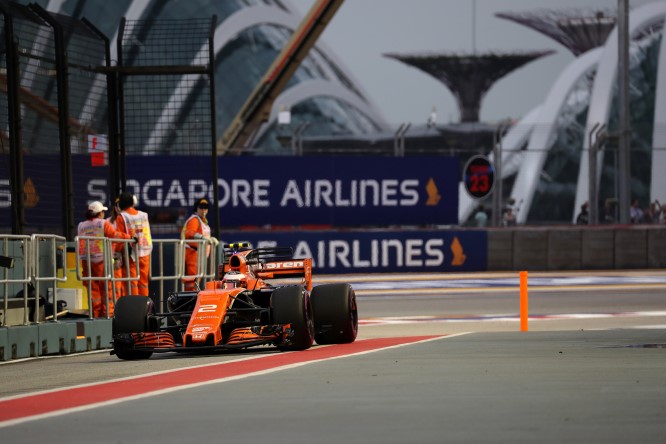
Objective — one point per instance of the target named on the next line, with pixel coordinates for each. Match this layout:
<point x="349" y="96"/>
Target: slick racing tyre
<point x="291" y="305"/>
<point x="335" y="313"/>
<point x="131" y="316"/>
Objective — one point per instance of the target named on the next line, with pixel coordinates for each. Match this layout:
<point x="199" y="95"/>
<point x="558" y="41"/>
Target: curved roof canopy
<point x="578" y="30"/>
<point x="469" y="76"/>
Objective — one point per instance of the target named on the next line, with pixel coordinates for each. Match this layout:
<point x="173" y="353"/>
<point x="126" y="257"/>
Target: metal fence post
<point x="597" y="137"/>
<point x="497" y="154"/>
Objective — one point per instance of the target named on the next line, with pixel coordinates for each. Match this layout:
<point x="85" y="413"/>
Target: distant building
<point x="545" y="159"/>
<point x="552" y="181"/>
<point x="248" y="37"/>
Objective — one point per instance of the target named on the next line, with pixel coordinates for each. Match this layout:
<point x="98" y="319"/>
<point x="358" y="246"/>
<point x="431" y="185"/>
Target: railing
<point x="206" y="264"/>
<point x="25" y="257"/>
<point x="34" y="264"/>
<point x="124" y="258"/>
<point x="108" y="249"/>
<point x="58" y="247"/>
<point x="159" y="275"/>
<point x="20" y="251"/>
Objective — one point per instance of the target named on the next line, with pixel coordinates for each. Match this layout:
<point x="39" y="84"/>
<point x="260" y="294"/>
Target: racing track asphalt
<point x="556" y="384"/>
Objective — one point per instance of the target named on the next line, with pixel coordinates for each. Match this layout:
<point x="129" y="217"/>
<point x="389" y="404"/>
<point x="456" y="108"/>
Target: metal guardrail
<point x="57" y="248"/>
<point x="108" y="260"/>
<point x="18" y="247"/>
<point x="159" y="275"/>
<point x="26" y="254"/>
<point x="35" y="262"/>
<point x="206" y="264"/>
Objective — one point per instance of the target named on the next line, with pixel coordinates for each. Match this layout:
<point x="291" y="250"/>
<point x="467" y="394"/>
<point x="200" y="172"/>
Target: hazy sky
<point x="363" y="30"/>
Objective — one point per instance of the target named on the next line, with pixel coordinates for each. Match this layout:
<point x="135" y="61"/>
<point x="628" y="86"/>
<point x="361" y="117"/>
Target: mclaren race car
<point x="240" y="309"/>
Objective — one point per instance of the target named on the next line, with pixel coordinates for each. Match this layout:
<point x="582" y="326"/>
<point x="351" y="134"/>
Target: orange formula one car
<point x="241" y="309"/>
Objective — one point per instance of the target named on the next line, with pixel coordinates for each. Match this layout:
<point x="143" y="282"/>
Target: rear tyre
<point x="131" y="316"/>
<point x="291" y="305"/>
<point x="335" y="314"/>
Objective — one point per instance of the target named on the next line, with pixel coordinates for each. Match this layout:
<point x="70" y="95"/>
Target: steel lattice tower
<point x="468" y="77"/>
<point x="578" y="30"/>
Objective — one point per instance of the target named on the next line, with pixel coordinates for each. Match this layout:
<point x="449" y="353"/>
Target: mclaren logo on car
<point x="284" y="265"/>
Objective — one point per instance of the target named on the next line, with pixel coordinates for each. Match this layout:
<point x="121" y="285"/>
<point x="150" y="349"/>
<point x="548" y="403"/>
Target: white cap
<point x="96" y="207"/>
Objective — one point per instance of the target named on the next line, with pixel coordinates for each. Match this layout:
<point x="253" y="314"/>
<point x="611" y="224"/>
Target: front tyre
<point x="335" y="314"/>
<point x="131" y="316"/>
<point x="291" y="305"/>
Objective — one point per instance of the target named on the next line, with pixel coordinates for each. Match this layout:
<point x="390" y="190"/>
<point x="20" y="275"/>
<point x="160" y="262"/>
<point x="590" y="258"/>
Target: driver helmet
<point x="233" y="279"/>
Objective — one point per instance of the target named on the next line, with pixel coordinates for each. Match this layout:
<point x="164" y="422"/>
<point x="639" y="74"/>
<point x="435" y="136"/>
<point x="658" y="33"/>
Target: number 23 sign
<point x="479" y="176"/>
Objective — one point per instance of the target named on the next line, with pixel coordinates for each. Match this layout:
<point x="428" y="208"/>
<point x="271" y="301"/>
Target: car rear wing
<point x="267" y="263"/>
<point x="255" y="255"/>
<point x="288" y="269"/>
<point x="270" y="254"/>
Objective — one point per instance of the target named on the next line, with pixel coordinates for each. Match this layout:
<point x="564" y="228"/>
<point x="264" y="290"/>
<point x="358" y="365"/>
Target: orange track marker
<point x="523" y="301"/>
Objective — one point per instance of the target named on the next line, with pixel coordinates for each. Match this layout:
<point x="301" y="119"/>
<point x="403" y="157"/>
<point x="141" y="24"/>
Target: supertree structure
<point x="468" y="76"/>
<point x="578" y="30"/>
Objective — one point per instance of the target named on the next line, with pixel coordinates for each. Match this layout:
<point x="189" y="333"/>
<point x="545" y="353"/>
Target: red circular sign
<point x="479" y="176"/>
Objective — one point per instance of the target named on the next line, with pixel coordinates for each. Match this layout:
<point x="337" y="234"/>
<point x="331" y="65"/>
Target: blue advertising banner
<point x="332" y="191"/>
<point x="42" y="193"/>
<point x="379" y="251"/>
<point x="338" y="191"/>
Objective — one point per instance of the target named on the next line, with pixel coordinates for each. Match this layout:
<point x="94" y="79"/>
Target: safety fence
<point x="55" y="102"/>
<point x="30" y="264"/>
<point x="71" y="108"/>
<point x="25" y="259"/>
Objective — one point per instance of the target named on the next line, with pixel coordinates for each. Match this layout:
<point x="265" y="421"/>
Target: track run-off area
<point x="446" y="298"/>
<point x="439" y="358"/>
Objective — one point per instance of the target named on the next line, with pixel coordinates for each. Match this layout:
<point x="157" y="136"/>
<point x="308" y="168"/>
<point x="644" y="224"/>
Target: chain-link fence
<point x="167" y="90"/>
<point x="166" y="72"/>
<point x="67" y="117"/>
<point x="45" y="112"/>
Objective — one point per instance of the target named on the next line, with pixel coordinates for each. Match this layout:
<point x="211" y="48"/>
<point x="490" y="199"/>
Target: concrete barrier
<point x="597" y="250"/>
<point x="530" y="249"/>
<point x="565" y="250"/>
<point x="500" y="250"/>
<point x="5" y="354"/>
<point x="656" y="248"/>
<point x="575" y="248"/>
<point x="54" y="338"/>
<point x="22" y="341"/>
<point x="630" y="248"/>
